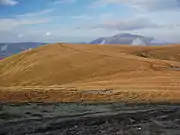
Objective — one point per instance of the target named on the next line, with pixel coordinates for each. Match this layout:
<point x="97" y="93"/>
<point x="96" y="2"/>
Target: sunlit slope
<point x="64" y="64"/>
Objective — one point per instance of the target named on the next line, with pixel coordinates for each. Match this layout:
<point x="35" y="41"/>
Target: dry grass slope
<point x="66" y="72"/>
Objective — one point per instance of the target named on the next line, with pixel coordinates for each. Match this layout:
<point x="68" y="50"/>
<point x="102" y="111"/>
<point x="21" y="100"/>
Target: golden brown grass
<point x="64" y="72"/>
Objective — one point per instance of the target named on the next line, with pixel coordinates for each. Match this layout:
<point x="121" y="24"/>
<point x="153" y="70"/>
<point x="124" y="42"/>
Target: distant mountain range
<point x="124" y="39"/>
<point x="7" y="49"/>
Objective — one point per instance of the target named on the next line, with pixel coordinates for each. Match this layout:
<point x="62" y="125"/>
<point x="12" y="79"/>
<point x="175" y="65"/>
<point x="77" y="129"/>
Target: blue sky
<point x="85" y="20"/>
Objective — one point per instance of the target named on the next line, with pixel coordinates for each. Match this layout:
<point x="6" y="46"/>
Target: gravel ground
<point x="89" y="119"/>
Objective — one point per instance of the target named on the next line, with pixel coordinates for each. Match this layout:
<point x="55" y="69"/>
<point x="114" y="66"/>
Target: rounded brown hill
<point x="84" y="67"/>
<point x="62" y="63"/>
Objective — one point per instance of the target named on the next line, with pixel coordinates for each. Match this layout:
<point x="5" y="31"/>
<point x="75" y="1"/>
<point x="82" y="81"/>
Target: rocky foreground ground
<point x="89" y="119"/>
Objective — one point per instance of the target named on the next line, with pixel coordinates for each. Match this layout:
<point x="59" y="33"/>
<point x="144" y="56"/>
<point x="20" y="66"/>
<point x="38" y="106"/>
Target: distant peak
<point x="124" y="38"/>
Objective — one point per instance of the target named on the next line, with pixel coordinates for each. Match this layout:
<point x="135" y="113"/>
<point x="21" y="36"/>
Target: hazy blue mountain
<point x="7" y="49"/>
<point x="124" y="39"/>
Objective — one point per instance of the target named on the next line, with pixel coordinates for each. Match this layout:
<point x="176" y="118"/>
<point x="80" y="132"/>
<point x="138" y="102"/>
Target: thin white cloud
<point x="20" y="35"/>
<point x="126" y="25"/>
<point x="10" y="24"/>
<point x="83" y="17"/>
<point x="8" y="2"/>
<point x="24" y="19"/>
<point x="143" y="5"/>
<point x="35" y="14"/>
<point x="64" y="2"/>
<point x="48" y="33"/>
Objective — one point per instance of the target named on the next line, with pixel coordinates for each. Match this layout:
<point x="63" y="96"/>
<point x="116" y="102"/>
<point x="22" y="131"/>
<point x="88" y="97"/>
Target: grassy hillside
<point x="94" y="67"/>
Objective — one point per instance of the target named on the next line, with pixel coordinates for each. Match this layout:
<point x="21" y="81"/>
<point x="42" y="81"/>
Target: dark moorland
<point x="88" y="119"/>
